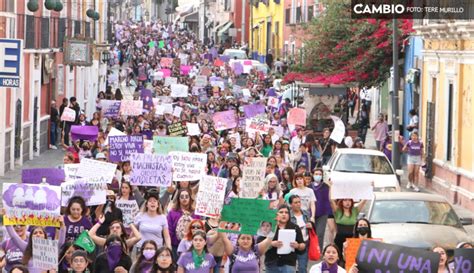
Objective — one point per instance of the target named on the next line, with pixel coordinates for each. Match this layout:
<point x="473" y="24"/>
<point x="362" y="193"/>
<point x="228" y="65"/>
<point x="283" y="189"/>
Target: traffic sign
<point x="10" y="60"/>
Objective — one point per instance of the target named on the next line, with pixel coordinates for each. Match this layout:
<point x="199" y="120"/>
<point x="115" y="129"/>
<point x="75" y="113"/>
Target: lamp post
<point x="395" y="111"/>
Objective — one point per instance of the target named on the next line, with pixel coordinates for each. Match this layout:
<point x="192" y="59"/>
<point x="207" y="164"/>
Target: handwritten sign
<point x="113" y="132"/>
<point x="253" y="110"/>
<point x="110" y="108"/>
<point x="166" y="62"/>
<point x="200" y="81"/>
<point x="147" y="146"/>
<point x="53" y="176"/>
<point x="210" y="197"/>
<point x="121" y="147"/>
<point x="253" y="177"/>
<point x="150" y="170"/>
<point x="68" y="114"/>
<point x="297" y="116"/>
<point x="129" y="210"/>
<point x="354" y="188"/>
<point x="89" y="168"/>
<point x="179" y="90"/>
<point x="225" y="120"/>
<point x="37" y="205"/>
<point x="70" y="171"/>
<point x="178" y="129"/>
<point x="188" y="166"/>
<point x="463" y="260"/>
<point x="170" y="81"/>
<point x="259" y="124"/>
<point x="339" y="130"/>
<point x="164" y="145"/>
<point x="248" y="213"/>
<point x="376" y="257"/>
<point x="273" y="102"/>
<point x="93" y="193"/>
<point x="193" y="129"/>
<point x="131" y="108"/>
<point x="45" y="253"/>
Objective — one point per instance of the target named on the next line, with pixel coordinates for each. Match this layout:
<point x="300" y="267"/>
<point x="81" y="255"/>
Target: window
<point x="30" y="32"/>
<point x="360" y="163"/>
<point x="449" y="140"/>
<point x="77" y="28"/>
<point x="45" y="32"/>
<point x="310" y="13"/>
<point x="61" y="31"/>
<point x="88" y="30"/>
<point x="299" y="18"/>
<point x="10" y="6"/>
<point x="288" y="16"/>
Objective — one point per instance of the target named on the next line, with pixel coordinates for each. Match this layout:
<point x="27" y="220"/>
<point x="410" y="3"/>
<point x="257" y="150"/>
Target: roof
<point x="412" y="196"/>
<point x="359" y="151"/>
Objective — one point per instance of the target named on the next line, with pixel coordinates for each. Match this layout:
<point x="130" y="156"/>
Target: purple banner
<point x="253" y="110"/>
<point x="225" y="58"/>
<point x="151" y="170"/>
<point x="225" y="120"/>
<point x="54" y="176"/>
<point x="110" y="108"/>
<point x="121" y="147"/>
<point x="238" y="68"/>
<point x="84" y="132"/>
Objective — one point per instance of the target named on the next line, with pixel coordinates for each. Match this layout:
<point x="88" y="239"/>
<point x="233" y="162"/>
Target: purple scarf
<point x="114" y="253"/>
<point x="326" y="268"/>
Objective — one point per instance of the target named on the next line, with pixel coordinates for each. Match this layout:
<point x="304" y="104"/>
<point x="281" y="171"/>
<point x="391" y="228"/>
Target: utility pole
<point x="395" y="110"/>
<point x="243" y="26"/>
<point x="251" y="30"/>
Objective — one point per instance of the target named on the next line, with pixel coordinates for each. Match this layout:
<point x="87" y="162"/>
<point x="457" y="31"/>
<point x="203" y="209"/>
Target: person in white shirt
<point x="297" y="140"/>
<point x="331" y="256"/>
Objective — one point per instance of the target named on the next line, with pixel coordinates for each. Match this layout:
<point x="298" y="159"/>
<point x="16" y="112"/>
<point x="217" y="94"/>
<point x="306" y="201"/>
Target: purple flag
<point x="271" y="92"/>
<point x="238" y="68"/>
<point x="54" y="176"/>
<point x="84" y="132"/>
<point x="253" y="110"/>
<point x="214" y="53"/>
<point x="121" y="147"/>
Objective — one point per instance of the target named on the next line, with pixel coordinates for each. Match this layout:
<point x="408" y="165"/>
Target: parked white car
<point x="239" y="54"/>
<point x="362" y="164"/>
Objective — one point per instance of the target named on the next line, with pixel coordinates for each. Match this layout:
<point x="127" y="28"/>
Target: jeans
<point x="53" y="133"/>
<point x="321" y="223"/>
<point x="280" y="269"/>
<point x="303" y="260"/>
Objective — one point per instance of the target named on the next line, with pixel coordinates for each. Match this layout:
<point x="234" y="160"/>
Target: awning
<point x="191" y="18"/>
<point x="225" y="28"/>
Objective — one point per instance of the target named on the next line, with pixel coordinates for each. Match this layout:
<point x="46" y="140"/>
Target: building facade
<point x="446" y="104"/>
<point x="24" y="111"/>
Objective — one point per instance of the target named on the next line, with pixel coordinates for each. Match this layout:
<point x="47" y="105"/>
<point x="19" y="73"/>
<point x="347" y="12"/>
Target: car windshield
<point x="414" y="211"/>
<point x="363" y="163"/>
<point x="238" y="54"/>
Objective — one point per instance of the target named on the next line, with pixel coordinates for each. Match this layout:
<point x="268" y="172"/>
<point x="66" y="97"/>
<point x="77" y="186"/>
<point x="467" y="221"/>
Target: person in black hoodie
<point x="54" y="120"/>
<point x="115" y="257"/>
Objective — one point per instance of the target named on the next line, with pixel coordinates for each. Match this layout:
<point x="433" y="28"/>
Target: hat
<point x="110" y="193"/>
<point x="79" y="253"/>
<point x="100" y="156"/>
<point x="301" y="165"/>
<point x="286" y="142"/>
<point x="152" y="193"/>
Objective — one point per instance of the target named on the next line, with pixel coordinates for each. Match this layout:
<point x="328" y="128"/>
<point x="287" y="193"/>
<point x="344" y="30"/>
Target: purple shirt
<point x="74" y="229"/>
<point x="323" y="205"/>
<point x="151" y="228"/>
<point x="414" y="148"/>
<point x="186" y="262"/>
<point x="173" y="218"/>
<point x="246" y="261"/>
<point x="13" y="254"/>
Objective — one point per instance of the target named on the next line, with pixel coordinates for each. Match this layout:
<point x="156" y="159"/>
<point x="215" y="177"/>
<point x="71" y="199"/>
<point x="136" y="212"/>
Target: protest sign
<point x="218" y="62"/>
<point x="374" y="257"/>
<point x="53" y="176"/>
<point x="45" y="254"/>
<point x="86" y="132"/>
<point x="238" y="68"/>
<point x="185" y="69"/>
<point x="206" y="71"/>
<point x="463" y="260"/>
<point x="224" y="120"/>
<point x="171" y="80"/>
<point x="168" y="108"/>
<point x="150" y="170"/>
<point x="354" y="188"/>
<point x="166" y="62"/>
<point x="179" y="91"/>
<point x="248" y="214"/>
<point x="297" y="116"/>
<point x="188" y="166"/>
<point x="339" y="130"/>
<point x="224" y="58"/>
<point x="183" y="58"/>
<point x="237" y="138"/>
<point x="131" y="108"/>
<point x="177" y="111"/>
<point x="93" y="193"/>
<point x="178" y="128"/>
<point x="166" y="73"/>
<point x="210" y="197"/>
<point x="350" y="252"/>
<point x="26" y="204"/>
<point x="253" y="110"/>
<point x="89" y="168"/>
<point x="121" y="147"/>
<point x="70" y="171"/>
<point x="147" y="146"/>
<point x="113" y="132"/>
<point x="159" y="110"/>
<point x="217" y="83"/>
<point x="259" y="124"/>
<point x="110" y="108"/>
<point x="253" y="175"/>
<point x="68" y="114"/>
<point x="129" y="210"/>
<point x="161" y="44"/>
<point x="193" y="129"/>
<point x="200" y="81"/>
<point x="273" y="102"/>
<point x="165" y="144"/>
<point x="146" y="97"/>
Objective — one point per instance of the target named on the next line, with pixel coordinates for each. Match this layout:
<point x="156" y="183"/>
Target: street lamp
<point x="105" y="56"/>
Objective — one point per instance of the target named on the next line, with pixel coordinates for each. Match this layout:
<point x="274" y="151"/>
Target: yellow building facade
<point x="266" y="29"/>
<point x="447" y="109"/>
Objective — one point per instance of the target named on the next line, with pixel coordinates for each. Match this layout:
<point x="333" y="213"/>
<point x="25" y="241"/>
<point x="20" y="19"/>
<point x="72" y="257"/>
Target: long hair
<point x="114" y="238"/>
<point x="340" y="207"/>
<point x="177" y="204"/>
<point x="29" y="248"/>
<point x="203" y="235"/>
<point x="139" y="263"/>
<point x="337" y="250"/>
<point x="235" y="189"/>
<point x="189" y="234"/>
<point x="356" y="232"/>
<point x="172" y="268"/>
<point x="291" y="175"/>
<point x="124" y="235"/>
<point x="78" y="200"/>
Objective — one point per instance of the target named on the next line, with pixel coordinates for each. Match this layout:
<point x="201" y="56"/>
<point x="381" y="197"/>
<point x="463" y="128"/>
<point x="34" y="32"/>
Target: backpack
<point x="182" y="225"/>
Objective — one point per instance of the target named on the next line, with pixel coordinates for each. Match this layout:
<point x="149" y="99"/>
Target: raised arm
<point x="135" y="238"/>
<point x="264" y="245"/>
<point x="228" y="247"/>
<point x="16" y="239"/>
<point x="93" y="232"/>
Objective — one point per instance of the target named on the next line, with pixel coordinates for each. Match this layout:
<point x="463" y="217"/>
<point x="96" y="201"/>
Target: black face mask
<point x="363" y="230"/>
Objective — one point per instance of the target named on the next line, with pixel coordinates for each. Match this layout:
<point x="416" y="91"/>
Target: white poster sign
<point x="210" y="197"/>
<point x="90" y="168"/>
<point x="188" y="166"/>
<point x="253" y="177"/>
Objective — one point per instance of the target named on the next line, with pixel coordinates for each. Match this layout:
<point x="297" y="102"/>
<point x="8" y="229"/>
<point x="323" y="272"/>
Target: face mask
<point x="363" y="230"/>
<point x="149" y="253"/>
<point x="317" y="178"/>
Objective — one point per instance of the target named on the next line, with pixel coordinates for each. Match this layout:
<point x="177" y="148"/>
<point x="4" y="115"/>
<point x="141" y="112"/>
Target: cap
<point x="152" y="193"/>
<point x="100" y="156"/>
<point x="302" y="165"/>
<point x="286" y="142"/>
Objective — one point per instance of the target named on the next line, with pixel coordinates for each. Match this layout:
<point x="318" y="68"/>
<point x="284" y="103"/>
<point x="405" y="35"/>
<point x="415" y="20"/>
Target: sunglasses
<point x="184" y="197"/>
<point x="196" y="227"/>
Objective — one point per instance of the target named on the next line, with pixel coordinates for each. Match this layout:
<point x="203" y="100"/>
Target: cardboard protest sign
<point x="260" y="124"/>
<point x="297" y="116"/>
<point x="339" y="130"/>
<point x="70" y="171"/>
<point x="166" y="73"/>
<point x="200" y="81"/>
<point x="163" y="144"/>
<point x="253" y="175"/>
<point x="147" y="146"/>
<point x="210" y="197"/>
<point x="89" y="168"/>
<point x="166" y="62"/>
<point x="246" y="215"/>
<point x="110" y="108"/>
<point x="168" y="108"/>
<point x="170" y="81"/>
<point x="206" y="71"/>
<point x="54" y="176"/>
<point x="188" y="166"/>
<point x="129" y="209"/>
<point x="350" y="252"/>
<point x="150" y="170"/>
<point x="93" y="193"/>
<point x="252" y="110"/>
<point x="354" y="188"/>
<point x="185" y="69"/>
<point x="179" y="91"/>
<point x="376" y="257"/>
<point x="273" y="102"/>
<point x="177" y="111"/>
<point x="68" y="114"/>
<point x="463" y="260"/>
<point x="131" y="108"/>
<point x="183" y="58"/>
<point x="224" y="120"/>
<point x="146" y="97"/>
<point x="113" y="132"/>
<point x="26" y="204"/>
<point x="121" y="147"/>
<point x="86" y="132"/>
<point x="193" y="129"/>
<point x="178" y="129"/>
<point x="45" y="254"/>
<point x="238" y="68"/>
